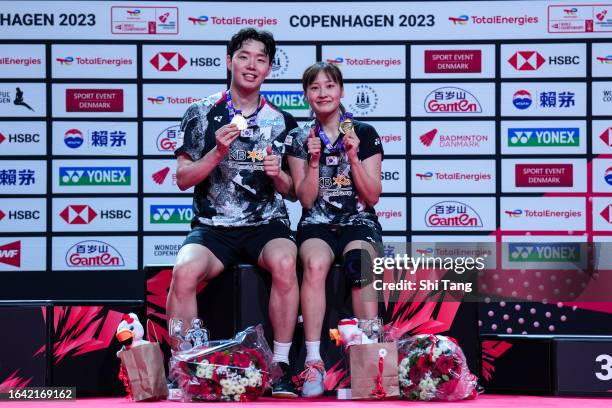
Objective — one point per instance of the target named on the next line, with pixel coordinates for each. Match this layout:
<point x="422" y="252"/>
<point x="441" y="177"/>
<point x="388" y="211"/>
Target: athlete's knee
<point x="282" y="268"/>
<point x="315" y="270"/>
<point x="357" y="266"/>
<point x="187" y="275"/>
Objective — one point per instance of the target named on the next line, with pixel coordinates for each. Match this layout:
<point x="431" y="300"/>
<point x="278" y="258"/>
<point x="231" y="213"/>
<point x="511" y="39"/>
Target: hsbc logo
<point x="20" y="138"/>
<point x="20" y="215"/>
<point x="606" y="137"/>
<point x="533" y="60"/>
<point x="83" y="214"/>
<point x="168" y="61"/>
<point x="10" y="254"/>
<point x="78" y="214"/>
<point x="606" y="213"/>
<point x="175" y="61"/>
<point x="526" y="60"/>
<point x="390" y="175"/>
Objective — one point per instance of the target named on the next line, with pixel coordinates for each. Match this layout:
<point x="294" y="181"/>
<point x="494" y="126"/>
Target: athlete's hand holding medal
<point x="350" y="139"/>
<point x="224" y="136"/>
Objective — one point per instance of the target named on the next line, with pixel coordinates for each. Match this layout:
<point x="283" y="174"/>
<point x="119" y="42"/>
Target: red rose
<point x="241" y="359"/>
<point x="415" y="374"/>
<point x="220" y="359"/>
<point x="422" y="362"/>
<point x="444" y="365"/>
<point x="252" y="393"/>
<point x="447" y="388"/>
<point x="258" y="358"/>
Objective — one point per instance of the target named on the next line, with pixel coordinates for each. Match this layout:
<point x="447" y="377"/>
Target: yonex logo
<point x="95" y="176"/>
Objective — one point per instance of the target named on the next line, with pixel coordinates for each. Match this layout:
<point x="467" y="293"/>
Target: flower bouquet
<point x="433" y="368"/>
<point x="239" y="369"/>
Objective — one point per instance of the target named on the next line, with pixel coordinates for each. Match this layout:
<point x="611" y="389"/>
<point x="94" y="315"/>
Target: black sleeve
<point x="290" y="122"/>
<point x="296" y="144"/>
<point x="369" y="141"/>
<point x="282" y="144"/>
<point x="192" y="134"/>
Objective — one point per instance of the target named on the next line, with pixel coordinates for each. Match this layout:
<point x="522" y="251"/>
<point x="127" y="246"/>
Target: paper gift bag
<point x="145" y="370"/>
<point x="374" y="373"/>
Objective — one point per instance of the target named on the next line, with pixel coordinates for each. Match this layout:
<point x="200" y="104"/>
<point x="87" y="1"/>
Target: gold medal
<point x="240" y="121"/>
<point x="345" y="126"/>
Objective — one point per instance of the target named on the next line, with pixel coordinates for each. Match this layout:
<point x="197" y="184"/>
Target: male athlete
<point x="233" y="142"/>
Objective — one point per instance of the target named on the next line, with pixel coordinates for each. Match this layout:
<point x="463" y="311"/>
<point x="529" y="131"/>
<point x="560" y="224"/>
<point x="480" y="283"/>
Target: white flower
<point x="252" y="382"/>
<point x="427" y="384"/>
<point x="240" y="390"/>
<point x="237" y="398"/>
<point x="436" y="353"/>
<point x="425" y="395"/>
<point x="244" y="381"/>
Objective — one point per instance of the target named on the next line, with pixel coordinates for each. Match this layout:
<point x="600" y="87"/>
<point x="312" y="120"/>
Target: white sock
<point x="312" y="351"/>
<point x="281" y="352"/>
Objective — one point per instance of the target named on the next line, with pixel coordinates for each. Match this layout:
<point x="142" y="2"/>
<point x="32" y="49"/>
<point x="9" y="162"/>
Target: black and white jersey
<point x="338" y="202"/>
<point x="237" y="193"/>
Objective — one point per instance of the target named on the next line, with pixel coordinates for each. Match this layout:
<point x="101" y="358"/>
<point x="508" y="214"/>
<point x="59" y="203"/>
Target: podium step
<point x="547" y="365"/>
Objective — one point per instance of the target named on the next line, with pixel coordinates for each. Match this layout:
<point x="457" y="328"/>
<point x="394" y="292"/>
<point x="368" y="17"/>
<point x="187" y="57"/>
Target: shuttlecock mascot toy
<point x="130" y="332"/>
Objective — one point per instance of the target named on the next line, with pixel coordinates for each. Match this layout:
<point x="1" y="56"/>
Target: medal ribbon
<point x="325" y="139"/>
<point x="252" y="120"/>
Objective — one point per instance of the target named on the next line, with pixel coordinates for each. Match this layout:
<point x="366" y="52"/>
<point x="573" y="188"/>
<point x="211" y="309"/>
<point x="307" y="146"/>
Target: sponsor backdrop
<point x="486" y="136"/>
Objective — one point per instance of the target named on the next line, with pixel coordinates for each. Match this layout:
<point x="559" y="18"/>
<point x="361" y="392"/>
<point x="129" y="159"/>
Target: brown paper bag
<point x="145" y="369"/>
<point x="365" y="371"/>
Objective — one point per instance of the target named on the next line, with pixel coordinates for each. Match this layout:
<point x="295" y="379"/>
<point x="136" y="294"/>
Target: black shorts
<point x="232" y="245"/>
<point x="337" y="237"/>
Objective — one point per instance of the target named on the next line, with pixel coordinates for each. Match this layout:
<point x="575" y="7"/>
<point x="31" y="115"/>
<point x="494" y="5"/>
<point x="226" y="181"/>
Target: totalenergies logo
<point x="133" y="13"/>
<point x="425" y="176"/>
<point x="158" y="100"/>
<point x="570" y="12"/>
<point x="65" y="61"/>
<point x="335" y="61"/>
<point x="461" y="20"/>
<point x="514" y="213"/>
<point x="201" y="21"/>
<point x="425" y="252"/>
<point x="605" y="60"/>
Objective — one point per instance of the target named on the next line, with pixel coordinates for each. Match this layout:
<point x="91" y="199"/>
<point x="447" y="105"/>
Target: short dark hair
<point x="246" y="34"/>
<point x="332" y="71"/>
